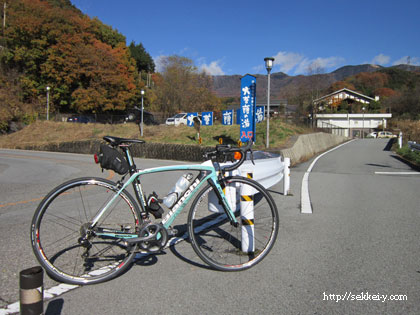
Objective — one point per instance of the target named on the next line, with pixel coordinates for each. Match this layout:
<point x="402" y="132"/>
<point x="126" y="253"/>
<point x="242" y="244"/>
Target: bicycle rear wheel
<point x="220" y="244"/>
<point x="63" y="243"/>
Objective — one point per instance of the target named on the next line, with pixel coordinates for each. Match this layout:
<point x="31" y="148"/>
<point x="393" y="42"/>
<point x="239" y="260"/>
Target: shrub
<point x="412" y="156"/>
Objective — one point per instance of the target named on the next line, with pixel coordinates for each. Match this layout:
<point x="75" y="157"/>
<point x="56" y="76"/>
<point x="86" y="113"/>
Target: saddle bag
<point x="111" y="159"/>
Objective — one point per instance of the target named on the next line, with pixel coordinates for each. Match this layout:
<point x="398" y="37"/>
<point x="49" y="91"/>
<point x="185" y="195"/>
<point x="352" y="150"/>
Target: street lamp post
<point x="142" y="110"/>
<point x="363" y="123"/>
<point x="48" y="102"/>
<point x="269" y="66"/>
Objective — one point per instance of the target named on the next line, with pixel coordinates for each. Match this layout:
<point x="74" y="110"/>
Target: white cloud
<point x="258" y="69"/>
<point x="287" y="60"/>
<point x="214" y="68"/>
<point x="159" y="62"/>
<point x="406" y="59"/>
<point x="318" y="65"/>
<point x="299" y="64"/>
<point x="381" y="59"/>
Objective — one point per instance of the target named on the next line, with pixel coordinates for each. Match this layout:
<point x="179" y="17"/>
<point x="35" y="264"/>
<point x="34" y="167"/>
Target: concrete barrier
<point x="303" y="148"/>
<point x="306" y="146"/>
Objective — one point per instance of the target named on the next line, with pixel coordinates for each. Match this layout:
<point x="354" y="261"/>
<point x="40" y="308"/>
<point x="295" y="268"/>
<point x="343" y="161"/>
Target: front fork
<point x="221" y="196"/>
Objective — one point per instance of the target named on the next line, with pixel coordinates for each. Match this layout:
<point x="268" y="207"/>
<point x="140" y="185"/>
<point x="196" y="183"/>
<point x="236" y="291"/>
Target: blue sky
<point x="233" y="37"/>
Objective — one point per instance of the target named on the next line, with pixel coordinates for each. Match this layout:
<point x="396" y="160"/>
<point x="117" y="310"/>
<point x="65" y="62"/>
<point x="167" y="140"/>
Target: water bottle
<point x="181" y="185"/>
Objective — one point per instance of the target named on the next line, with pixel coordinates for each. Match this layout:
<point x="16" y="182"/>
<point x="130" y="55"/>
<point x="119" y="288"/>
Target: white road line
<point x="397" y="173"/>
<point x="63" y="287"/>
<point x="305" y="200"/>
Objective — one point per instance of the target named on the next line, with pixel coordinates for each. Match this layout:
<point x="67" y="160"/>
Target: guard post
<point x="286" y="177"/>
<point x="247" y="215"/>
<point x="31" y="293"/>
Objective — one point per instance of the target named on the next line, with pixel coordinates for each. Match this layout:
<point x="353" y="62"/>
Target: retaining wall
<point x="306" y="146"/>
<point x="303" y="148"/>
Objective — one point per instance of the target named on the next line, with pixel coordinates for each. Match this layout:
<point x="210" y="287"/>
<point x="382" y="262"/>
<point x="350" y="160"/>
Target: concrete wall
<point x="306" y="146"/>
<point x="303" y="148"/>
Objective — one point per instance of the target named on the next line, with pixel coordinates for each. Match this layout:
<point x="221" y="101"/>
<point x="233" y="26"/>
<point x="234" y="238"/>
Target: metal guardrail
<point x="268" y="169"/>
<point x="414" y="146"/>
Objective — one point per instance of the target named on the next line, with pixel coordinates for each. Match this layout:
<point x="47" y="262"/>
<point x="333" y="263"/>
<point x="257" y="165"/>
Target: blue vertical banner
<point x="190" y="119"/>
<point x="238" y="116"/>
<point x="227" y="117"/>
<point x="247" y="120"/>
<point x="259" y="114"/>
<point x="207" y="118"/>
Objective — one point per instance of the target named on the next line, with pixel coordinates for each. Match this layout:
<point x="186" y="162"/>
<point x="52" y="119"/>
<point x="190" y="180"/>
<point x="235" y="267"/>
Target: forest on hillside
<point x="399" y="91"/>
<point x="88" y="68"/>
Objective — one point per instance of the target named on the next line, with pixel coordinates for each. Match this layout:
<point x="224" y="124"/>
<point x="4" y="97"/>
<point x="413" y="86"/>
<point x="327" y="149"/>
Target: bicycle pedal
<point x="172" y="232"/>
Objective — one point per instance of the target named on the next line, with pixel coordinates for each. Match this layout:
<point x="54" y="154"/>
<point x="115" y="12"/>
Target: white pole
<point x="286" y="177"/>
<point x="48" y="102"/>
<point x="142" y="109"/>
<point x="4" y="17"/>
<point x="247" y="216"/>
<point x="400" y="140"/>
<point x="268" y="111"/>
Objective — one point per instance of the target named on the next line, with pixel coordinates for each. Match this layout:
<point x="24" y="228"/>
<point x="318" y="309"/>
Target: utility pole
<point x="4" y="16"/>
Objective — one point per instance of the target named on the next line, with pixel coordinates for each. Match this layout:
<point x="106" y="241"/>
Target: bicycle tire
<point x="220" y="244"/>
<point x="58" y="223"/>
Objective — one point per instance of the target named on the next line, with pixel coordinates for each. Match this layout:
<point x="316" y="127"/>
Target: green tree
<point x="143" y="59"/>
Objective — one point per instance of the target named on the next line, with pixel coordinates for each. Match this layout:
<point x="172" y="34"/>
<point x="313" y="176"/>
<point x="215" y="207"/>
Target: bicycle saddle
<point x="118" y="141"/>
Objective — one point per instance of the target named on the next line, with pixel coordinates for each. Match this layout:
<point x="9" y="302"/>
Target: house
<point x="352" y="125"/>
<point x="348" y="124"/>
<point x="335" y="98"/>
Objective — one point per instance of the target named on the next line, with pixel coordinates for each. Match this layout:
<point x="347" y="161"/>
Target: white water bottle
<point x="181" y="185"/>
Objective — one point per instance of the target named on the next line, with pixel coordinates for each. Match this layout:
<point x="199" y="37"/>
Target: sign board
<point x="207" y="118"/>
<point x="227" y="117"/>
<point x="190" y="119"/>
<point x="259" y="114"/>
<point x="247" y="111"/>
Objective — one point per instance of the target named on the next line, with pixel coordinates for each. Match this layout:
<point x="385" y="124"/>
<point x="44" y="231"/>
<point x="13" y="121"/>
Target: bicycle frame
<point x="207" y="174"/>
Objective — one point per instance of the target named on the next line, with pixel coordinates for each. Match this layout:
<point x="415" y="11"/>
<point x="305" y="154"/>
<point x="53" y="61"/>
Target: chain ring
<point x="157" y="230"/>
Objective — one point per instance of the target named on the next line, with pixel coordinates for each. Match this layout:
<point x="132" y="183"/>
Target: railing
<point x="329" y="128"/>
<point x="414" y="146"/>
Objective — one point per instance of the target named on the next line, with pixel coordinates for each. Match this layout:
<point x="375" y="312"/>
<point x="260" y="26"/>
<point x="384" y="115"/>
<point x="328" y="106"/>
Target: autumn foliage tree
<point x="85" y="62"/>
<point x="183" y="88"/>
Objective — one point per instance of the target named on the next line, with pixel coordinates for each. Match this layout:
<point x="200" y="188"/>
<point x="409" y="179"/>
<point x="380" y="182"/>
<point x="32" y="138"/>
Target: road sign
<point x="247" y="112"/>
<point x="227" y="117"/>
<point x="207" y="118"/>
<point x="259" y="114"/>
<point x="190" y="119"/>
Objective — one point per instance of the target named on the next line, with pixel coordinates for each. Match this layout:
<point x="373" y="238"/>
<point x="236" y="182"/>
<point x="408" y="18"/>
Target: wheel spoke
<point x="218" y="242"/>
<point x="67" y="248"/>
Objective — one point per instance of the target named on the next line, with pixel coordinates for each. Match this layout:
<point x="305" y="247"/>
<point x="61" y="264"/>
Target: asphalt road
<point x="360" y="243"/>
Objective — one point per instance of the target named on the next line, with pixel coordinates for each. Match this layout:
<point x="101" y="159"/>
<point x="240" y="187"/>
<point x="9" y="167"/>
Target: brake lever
<point x="252" y="156"/>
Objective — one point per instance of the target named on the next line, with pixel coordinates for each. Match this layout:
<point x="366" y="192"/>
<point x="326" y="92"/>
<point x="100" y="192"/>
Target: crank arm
<point x="141" y="239"/>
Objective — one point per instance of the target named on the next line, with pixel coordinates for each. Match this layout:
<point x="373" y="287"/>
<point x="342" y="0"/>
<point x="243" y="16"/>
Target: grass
<point x="44" y="132"/>
<point x="412" y="156"/>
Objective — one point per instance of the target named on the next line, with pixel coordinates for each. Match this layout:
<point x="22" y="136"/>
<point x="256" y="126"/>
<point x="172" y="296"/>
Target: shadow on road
<point x="55" y="307"/>
<point x="377" y="165"/>
<point x="413" y="166"/>
<point x="389" y="144"/>
<point x="183" y="258"/>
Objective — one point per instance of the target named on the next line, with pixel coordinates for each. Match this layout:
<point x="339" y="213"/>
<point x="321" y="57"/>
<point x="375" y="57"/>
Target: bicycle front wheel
<point x="224" y="246"/>
<point x="65" y="245"/>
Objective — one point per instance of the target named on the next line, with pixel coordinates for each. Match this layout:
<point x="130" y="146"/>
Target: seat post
<point x="130" y="160"/>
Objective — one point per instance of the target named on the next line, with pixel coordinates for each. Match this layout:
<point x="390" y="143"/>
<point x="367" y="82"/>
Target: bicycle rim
<point x="61" y="219"/>
<point x="220" y="244"/>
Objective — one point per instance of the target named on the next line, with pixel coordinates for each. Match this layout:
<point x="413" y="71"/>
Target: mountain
<point x="284" y="86"/>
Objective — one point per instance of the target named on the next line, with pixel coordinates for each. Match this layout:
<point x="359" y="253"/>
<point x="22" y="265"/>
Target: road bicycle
<point x="88" y="230"/>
